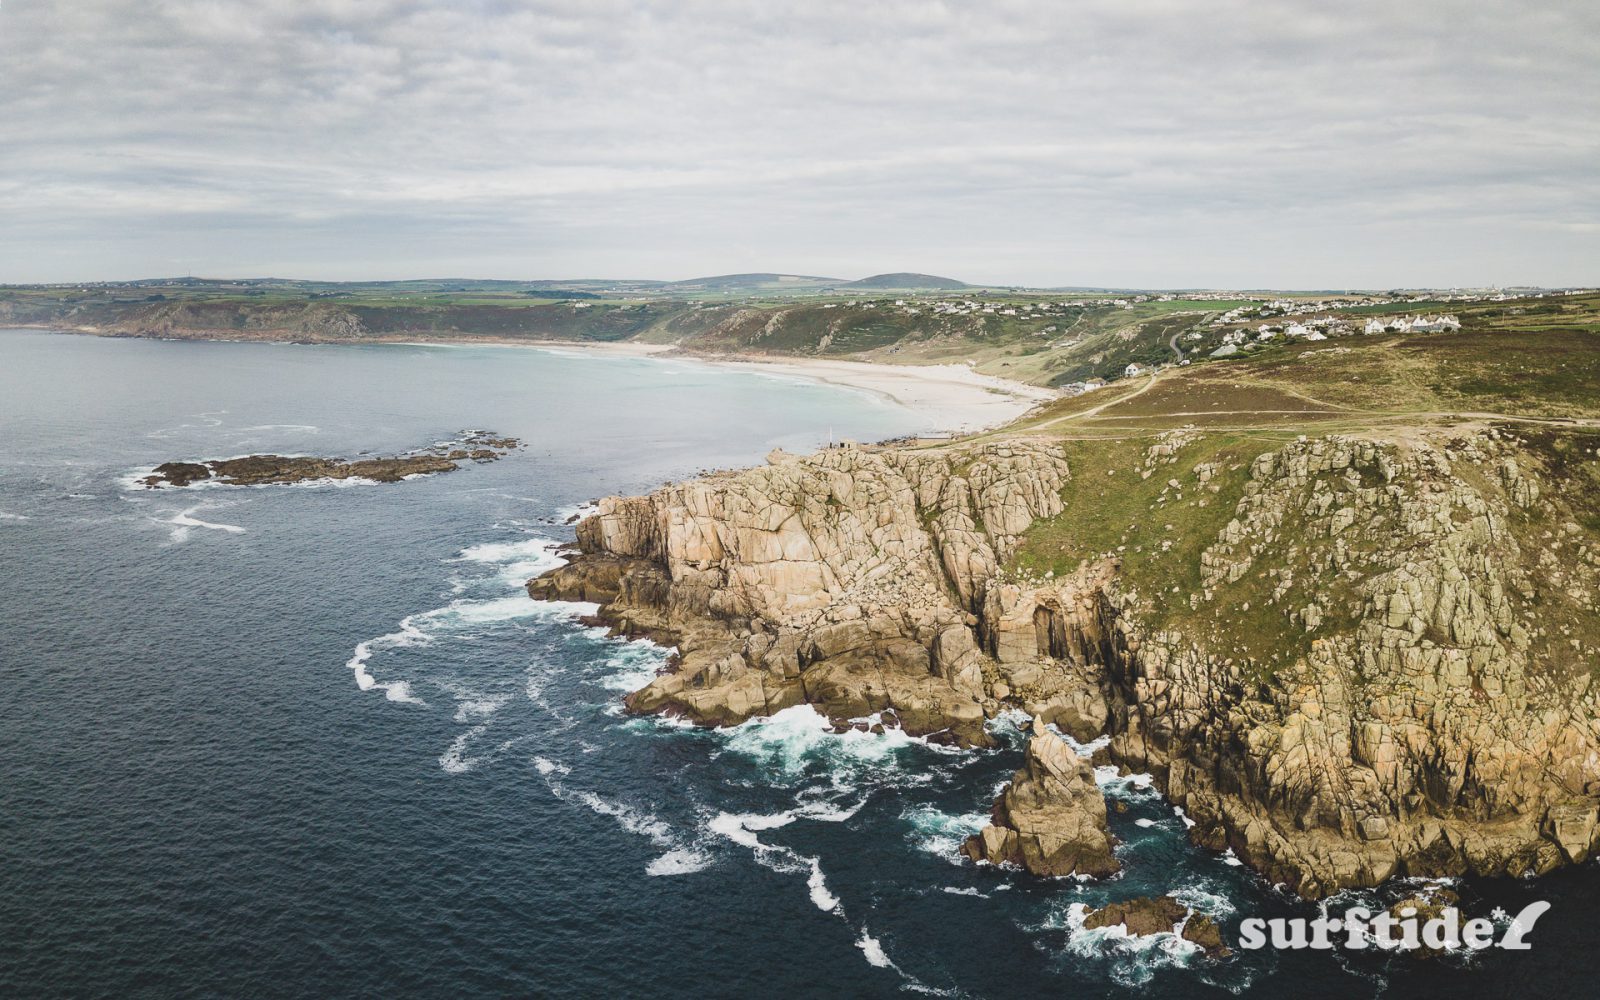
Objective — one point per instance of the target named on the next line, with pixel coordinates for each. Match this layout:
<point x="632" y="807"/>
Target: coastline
<point x="956" y="399"/>
<point x="953" y="398"/>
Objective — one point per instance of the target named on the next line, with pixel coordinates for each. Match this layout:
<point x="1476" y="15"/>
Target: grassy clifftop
<point x="1160" y="466"/>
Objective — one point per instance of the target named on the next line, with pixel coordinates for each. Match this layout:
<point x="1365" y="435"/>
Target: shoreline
<point x="954" y="399"/>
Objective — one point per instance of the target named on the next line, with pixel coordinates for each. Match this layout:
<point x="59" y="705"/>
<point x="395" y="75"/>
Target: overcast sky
<point x="1236" y="143"/>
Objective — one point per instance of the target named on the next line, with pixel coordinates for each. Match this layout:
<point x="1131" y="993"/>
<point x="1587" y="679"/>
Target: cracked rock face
<point x="1427" y="729"/>
<point x="848" y="579"/>
<point x="1051" y="819"/>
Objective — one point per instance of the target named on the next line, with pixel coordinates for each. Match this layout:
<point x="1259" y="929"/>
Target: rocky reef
<point x="1145" y="915"/>
<point x="1427" y="707"/>
<point x="261" y="470"/>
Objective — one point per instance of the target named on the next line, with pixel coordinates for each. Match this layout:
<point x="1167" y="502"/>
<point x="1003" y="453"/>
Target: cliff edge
<point x="1345" y="658"/>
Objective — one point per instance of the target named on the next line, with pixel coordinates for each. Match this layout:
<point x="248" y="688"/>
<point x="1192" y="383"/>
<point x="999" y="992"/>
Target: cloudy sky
<point x="1151" y="143"/>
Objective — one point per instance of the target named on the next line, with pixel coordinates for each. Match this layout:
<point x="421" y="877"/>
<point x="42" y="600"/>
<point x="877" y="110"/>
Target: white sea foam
<point x="470" y="708"/>
<point x="825" y="810"/>
<point x="679" y="861"/>
<point x="184" y="520"/>
<point x="941" y="833"/>
<point x="871" y="948"/>
<point x="741" y="827"/>
<point x="824" y="900"/>
<point x="1134" y="958"/>
<point x="631" y="819"/>
<point x="401" y="691"/>
<point x="1202" y="900"/>
<point x="634" y="664"/>
<point x="1084" y="750"/>
<point x="1127" y="787"/>
<point x="518" y="560"/>
<point x="792" y="740"/>
<point x="547" y="767"/>
<point x="455" y="760"/>
<point x="579" y="511"/>
<point x="6" y="515"/>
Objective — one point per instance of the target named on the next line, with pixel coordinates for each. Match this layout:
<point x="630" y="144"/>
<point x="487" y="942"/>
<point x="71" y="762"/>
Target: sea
<point x="315" y="740"/>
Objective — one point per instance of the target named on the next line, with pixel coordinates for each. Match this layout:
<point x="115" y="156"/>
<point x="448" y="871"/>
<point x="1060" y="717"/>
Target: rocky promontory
<point x="262" y="470"/>
<point x="1345" y="658"/>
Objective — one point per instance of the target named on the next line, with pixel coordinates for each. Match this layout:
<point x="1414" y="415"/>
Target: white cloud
<point x="1158" y="143"/>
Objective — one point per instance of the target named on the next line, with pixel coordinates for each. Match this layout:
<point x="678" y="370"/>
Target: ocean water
<point x="314" y="740"/>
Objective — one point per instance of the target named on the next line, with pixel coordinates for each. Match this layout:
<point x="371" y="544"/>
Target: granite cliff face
<point x="1429" y="711"/>
<point x="850" y="579"/>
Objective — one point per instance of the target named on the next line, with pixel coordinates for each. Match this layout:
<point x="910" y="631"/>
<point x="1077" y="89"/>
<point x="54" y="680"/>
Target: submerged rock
<point x="1051" y="819"/>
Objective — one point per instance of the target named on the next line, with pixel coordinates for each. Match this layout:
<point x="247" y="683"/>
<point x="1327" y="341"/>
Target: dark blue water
<point x="307" y="741"/>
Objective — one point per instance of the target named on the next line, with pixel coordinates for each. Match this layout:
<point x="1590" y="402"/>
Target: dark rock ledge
<point x="261" y="470"/>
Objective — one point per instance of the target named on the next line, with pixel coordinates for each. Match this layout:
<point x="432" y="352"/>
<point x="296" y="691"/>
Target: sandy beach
<point x="954" y="398"/>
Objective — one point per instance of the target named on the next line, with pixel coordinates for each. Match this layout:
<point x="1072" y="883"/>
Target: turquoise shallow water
<point x="294" y="741"/>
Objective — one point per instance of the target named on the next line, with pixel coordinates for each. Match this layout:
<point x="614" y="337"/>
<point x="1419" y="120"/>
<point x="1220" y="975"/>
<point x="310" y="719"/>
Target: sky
<point x="1133" y="143"/>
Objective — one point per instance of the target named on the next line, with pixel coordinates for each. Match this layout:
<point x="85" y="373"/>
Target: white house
<point x="1374" y="326"/>
<point x="1132" y="370"/>
<point x="1434" y="324"/>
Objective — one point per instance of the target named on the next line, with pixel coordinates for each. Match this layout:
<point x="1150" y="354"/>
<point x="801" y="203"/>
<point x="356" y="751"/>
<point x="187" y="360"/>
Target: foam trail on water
<point x="873" y="949"/>
<point x="407" y="635"/>
<point x="184" y="520"/>
<point x="677" y="859"/>
<point x="680" y="861"/>
<point x="455" y="760"/>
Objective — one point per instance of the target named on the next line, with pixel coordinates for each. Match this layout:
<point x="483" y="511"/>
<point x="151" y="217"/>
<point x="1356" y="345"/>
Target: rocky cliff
<point x="851" y="579"/>
<point x="1426" y="707"/>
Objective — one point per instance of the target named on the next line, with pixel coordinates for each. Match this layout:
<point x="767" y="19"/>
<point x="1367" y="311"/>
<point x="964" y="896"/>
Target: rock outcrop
<point x="1377" y="663"/>
<point x="1051" y="819"/>
<point x="851" y="579"/>
<point x="261" y="470"/>
<point x="1147" y="915"/>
